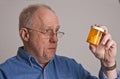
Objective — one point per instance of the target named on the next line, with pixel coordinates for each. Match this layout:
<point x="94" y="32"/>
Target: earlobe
<point x="24" y="34"/>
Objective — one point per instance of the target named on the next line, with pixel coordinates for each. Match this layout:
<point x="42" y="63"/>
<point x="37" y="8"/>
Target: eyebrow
<point x="58" y="27"/>
<point x="49" y="27"/>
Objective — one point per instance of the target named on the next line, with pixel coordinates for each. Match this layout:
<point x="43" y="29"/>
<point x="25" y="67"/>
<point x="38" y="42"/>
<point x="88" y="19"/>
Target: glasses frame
<point x="50" y="34"/>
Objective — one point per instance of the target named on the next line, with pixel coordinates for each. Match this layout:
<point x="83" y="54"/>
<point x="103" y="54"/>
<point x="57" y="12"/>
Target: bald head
<point x="27" y="15"/>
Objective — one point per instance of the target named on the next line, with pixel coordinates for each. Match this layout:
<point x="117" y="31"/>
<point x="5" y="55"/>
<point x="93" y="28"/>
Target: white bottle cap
<point x="98" y="28"/>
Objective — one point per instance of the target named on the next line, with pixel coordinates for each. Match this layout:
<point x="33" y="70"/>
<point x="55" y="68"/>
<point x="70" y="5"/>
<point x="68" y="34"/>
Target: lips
<point x="52" y="48"/>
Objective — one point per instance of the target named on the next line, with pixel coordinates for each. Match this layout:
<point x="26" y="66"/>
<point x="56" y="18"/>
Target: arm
<point x="106" y="53"/>
<point x="1" y="75"/>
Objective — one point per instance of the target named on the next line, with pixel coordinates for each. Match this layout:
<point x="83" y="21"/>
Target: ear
<point x="24" y="34"/>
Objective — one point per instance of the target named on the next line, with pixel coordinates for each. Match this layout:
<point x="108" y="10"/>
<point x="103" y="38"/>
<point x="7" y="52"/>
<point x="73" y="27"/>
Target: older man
<point x="39" y="31"/>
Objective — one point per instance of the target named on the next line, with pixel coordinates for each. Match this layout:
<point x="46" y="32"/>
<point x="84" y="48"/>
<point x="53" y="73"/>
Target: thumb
<point x="92" y="48"/>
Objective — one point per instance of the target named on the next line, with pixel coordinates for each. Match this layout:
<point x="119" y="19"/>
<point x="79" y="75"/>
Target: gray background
<point x="76" y="17"/>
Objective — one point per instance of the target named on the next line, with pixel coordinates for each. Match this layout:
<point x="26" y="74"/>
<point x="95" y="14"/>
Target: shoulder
<point x="8" y="63"/>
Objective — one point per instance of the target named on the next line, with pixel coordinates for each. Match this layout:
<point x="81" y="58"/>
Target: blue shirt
<point x="24" y="66"/>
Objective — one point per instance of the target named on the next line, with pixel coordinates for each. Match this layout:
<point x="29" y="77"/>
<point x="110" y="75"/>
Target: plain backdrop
<point x="75" y="16"/>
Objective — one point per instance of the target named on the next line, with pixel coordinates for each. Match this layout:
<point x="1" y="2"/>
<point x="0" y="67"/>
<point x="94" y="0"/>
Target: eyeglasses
<point x="48" y="33"/>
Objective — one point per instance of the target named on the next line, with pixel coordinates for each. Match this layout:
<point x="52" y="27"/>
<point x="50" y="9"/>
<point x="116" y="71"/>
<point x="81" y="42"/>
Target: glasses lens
<point x="60" y="34"/>
<point x="48" y="33"/>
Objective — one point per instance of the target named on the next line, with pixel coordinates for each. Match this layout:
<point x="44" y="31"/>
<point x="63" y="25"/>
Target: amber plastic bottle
<point x="95" y="35"/>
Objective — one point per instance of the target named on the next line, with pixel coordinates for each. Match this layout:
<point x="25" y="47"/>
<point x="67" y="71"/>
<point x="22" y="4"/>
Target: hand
<point x="106" y="50"/>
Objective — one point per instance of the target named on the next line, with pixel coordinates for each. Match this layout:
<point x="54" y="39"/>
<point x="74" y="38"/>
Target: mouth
<point x="52" y="48"/>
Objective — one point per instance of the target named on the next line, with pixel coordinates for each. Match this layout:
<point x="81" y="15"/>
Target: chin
<point x="51" y="55"/>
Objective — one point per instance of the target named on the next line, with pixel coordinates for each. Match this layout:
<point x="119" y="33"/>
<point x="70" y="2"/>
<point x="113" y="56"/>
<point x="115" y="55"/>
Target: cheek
<point x="41" y="44"/>
<point x="35" y="43"/>
<point x="38" y="43"/>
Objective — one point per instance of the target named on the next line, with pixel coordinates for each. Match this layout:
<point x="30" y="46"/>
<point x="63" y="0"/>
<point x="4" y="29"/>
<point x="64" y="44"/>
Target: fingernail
<point x="103" y="43"/>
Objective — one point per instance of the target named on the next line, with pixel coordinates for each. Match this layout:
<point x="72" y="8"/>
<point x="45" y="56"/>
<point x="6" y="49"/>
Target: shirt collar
<point x="24" y="55"/>
<point x="29" y="59"/>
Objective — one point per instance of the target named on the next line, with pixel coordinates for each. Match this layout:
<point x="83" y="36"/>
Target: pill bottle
<point x="95" y="35"/>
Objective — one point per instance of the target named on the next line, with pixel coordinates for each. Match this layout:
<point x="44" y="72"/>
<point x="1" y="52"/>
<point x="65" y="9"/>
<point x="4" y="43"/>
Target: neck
<point x="43" y="61"/>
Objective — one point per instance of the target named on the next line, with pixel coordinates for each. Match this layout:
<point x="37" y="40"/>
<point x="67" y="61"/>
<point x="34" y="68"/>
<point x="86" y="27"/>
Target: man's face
<point x="44" y="44"/>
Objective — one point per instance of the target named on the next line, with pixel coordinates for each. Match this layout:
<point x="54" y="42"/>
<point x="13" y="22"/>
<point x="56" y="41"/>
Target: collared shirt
<point x="24" y="66"/>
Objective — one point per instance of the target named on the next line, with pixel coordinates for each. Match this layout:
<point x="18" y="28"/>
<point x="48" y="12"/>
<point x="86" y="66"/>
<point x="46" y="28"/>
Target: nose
<point x="54" y="38"/>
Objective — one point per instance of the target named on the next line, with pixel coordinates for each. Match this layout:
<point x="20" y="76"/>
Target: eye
<point x="48" y="30"/>
<point x="57" y="30"/>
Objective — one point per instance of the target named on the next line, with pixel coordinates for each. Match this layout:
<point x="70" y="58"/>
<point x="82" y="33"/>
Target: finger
<point x="105" y="38"/>
<point x="92" y="48"/>
<point x="110" y="44"/>
<point x="102" y="26"/>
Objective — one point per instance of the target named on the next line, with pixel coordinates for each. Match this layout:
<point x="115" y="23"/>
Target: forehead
<point x="46" y="18"/>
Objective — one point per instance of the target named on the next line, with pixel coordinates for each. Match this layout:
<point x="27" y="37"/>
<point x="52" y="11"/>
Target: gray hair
<point x="26" y="16"/>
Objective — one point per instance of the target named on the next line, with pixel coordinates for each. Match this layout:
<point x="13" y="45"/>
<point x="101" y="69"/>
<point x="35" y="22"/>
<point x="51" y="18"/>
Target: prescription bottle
<point x="95" y="35"/>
